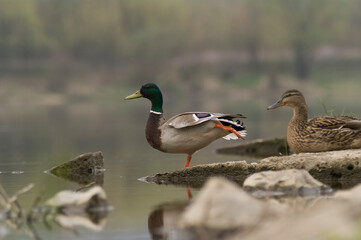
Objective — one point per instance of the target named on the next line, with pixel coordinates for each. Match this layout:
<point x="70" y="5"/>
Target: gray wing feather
<point x="353" y="125"/>
<point x="190" y="118"/>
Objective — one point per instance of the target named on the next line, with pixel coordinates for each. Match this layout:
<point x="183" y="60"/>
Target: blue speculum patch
<point x="202" y="115"/>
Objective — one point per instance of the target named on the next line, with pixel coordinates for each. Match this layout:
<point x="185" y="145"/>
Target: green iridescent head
<point x="151" y="92"/>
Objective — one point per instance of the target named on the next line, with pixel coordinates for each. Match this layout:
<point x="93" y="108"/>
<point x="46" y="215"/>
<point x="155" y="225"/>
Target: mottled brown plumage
<point x="324" y="133"/>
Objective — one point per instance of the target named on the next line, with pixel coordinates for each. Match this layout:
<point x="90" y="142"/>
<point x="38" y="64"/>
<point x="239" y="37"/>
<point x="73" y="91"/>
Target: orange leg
<point x="228" y="128"/>
<point x="189" y="194"/>
<point x="188" y="161"/>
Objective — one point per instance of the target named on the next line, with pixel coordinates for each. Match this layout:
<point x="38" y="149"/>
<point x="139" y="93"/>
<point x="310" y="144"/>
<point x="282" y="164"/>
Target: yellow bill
<point x="137" y="94"/>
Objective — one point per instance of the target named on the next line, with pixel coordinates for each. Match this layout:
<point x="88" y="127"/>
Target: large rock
<point x="221" y="204"/>
<point x="331" y="218"/>
<point x="290" y="182"/>
<point x="336" y="169"/>
<point x="354" y="194"/>
<point x="322" y="221"/>
<point x="223" y="211"/>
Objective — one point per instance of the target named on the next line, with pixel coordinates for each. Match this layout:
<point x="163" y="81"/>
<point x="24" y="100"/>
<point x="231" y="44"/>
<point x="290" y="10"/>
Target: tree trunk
<point x="302" y="62"/>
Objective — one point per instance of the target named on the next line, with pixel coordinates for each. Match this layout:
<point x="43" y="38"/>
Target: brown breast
<point x="152" y="131"/>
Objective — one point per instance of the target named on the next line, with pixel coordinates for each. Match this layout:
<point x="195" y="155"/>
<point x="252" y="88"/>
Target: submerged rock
<point x="196" y="176"/>
<point x="290" y="182"/>
<point x="88" y="209"/>
<point x="258" y="148"/>
<point x="335" y="168"/>
<point x="84" y="169"/>
<point x="70" y="198"/>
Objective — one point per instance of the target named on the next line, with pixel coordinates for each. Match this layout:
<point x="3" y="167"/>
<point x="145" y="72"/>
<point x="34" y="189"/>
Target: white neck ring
<point x="155" y="112"/>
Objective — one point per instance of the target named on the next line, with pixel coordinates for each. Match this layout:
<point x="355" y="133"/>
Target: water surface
<point x="35" y="138"/>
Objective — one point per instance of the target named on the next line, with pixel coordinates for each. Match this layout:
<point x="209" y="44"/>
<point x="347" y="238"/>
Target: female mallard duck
<point x="186" y="132"/>
<point x="324" y="133"/>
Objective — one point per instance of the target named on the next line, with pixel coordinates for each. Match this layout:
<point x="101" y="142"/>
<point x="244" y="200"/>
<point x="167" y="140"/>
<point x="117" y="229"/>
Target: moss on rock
<point x="84" y="169"/>
<point x="338" y="169"/>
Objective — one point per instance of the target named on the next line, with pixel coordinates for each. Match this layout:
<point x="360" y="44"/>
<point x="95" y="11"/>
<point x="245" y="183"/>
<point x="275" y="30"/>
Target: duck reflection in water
<point x="163" y="221"/>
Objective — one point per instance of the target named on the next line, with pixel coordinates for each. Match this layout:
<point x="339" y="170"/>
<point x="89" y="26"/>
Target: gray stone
<point x="290" y="182"/>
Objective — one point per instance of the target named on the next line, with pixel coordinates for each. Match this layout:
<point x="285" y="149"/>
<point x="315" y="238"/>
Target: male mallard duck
<point x="324" y="133"/>
<point x="186" y="132"/>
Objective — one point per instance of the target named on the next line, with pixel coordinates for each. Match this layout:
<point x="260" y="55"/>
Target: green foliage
<point x="152" y="32"/>
<point x="21" y="30"/>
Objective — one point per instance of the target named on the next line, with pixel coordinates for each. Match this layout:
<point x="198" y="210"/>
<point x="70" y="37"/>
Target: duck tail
<point x="233" y="136"/>
<point x="236" y="125"/>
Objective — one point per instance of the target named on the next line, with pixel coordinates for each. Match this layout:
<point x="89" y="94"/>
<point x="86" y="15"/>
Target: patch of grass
<point x="333" y="112"/>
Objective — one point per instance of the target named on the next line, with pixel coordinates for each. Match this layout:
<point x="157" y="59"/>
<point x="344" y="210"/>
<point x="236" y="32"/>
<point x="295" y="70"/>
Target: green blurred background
<point x="200" y="46"/>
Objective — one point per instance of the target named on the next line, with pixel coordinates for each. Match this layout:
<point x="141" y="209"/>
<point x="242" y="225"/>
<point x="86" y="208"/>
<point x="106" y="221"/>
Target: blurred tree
<point x="310" y="24"/>
<point x="147" y="38"/>
<point x="253" y="32"/>
<point x="21" y="31"/>
<point x="352" y="35"/>
<point x="154" y="33"/>
<point x="92" y="30"/>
